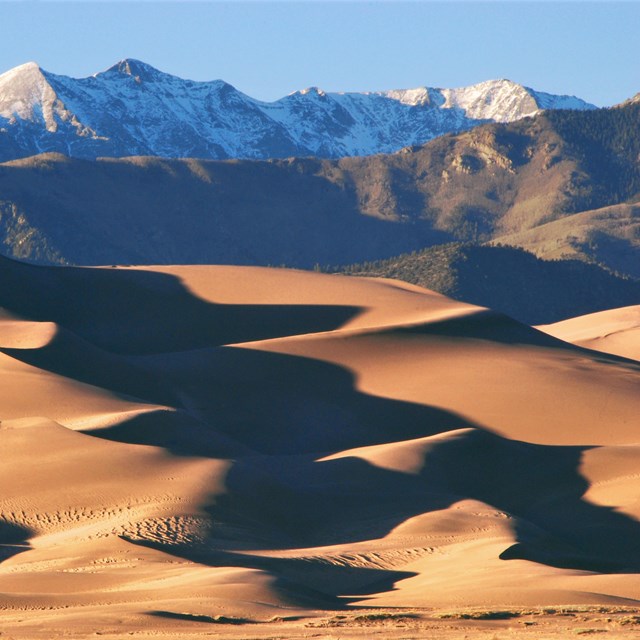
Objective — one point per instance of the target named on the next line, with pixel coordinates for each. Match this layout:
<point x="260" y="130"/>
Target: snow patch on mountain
<point x="132" y="108"/>
<point x="25" y="94"/>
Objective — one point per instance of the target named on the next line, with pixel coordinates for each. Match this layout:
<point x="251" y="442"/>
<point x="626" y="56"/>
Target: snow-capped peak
<point x="134" y="68"/>
<point x="22" y="76"/>
<point x="134" y="109"/>
<point x="498" y="100"/>
<point x="310" y="91"/>
<point x="27" y="67"/>
<point x="414" y="97"/>
<point x="26" y="94"/>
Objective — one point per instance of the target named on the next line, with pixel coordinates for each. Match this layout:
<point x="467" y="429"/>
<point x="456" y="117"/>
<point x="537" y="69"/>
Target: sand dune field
<point x="244" y="452"/>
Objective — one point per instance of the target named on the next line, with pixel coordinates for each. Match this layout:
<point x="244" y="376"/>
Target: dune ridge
<point x="182" y="443"/>
<point x="616" y="331"/>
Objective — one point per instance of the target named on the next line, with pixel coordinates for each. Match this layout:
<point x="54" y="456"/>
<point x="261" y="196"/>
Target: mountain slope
<point x="498" y="179"/>
<point x="609" y="235"/>
<point x="134" y="109"/>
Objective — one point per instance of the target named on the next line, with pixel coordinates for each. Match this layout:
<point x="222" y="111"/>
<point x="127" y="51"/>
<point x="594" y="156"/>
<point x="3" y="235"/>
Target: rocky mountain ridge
<point x="134" y="109"/>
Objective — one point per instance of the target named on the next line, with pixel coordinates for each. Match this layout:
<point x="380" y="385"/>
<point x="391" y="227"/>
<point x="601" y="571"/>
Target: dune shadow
<point x="298" y="502"/>
<point x="13" y="540"/>
<point x="72" y="357"/>
<point x="276" y="404"/>
<point x="282" y="503"/>
<point x="132" y="311"/>
<point x="493" y="326"/>
<point x="312" y="582"/>
<point x="349" y="499"/>
<point x="176" y="431"/>
<point x="484" y="324"/>
<point x="194" y="617"/>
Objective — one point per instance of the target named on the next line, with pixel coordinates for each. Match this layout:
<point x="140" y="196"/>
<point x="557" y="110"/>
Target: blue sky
<point x="268" y="49"/>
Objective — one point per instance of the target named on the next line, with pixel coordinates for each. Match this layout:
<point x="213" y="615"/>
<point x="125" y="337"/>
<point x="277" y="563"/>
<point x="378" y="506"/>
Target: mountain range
<point x="560" y="184"/>
<point x="134" y="109"/>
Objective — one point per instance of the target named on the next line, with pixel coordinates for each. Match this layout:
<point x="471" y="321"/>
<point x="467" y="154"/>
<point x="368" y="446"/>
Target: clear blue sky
<point x="268" y="49"/>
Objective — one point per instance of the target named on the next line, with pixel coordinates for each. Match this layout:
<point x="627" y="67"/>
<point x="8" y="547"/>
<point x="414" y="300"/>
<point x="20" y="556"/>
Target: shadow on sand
<point x="280" y="416"/>
<point x="131" y="311"/>
<point x="13" y="540"/>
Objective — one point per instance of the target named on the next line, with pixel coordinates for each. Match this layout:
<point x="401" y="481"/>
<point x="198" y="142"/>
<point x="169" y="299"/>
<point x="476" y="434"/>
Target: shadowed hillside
<point x="510" y="280"/>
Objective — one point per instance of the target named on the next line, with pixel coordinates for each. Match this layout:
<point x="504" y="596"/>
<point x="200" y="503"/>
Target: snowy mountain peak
<point x="497" y="100"/>
<point x="27" y="67"/>
<point x="500" y="82"/>
<point x="419" y="96"/>
<point x="134" y="109"/>
<point x="26" y="94"/>
<point x="18" y="78"/>
<point x="134" y="68"/>
<point x="310" y="91"/>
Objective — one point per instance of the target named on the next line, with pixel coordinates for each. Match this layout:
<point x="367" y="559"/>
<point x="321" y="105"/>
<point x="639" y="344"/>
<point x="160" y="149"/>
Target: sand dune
<point x="181" y="443"/>
<point x="615" y="331"/>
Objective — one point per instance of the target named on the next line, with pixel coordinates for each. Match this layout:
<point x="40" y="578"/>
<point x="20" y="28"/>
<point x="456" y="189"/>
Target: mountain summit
<point x="134" y="109"/>
<point x="135" y="68"/>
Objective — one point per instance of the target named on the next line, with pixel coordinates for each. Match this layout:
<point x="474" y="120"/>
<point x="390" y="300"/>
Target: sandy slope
<point x="615" y="331"/>
<point x="181" y="443"/>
